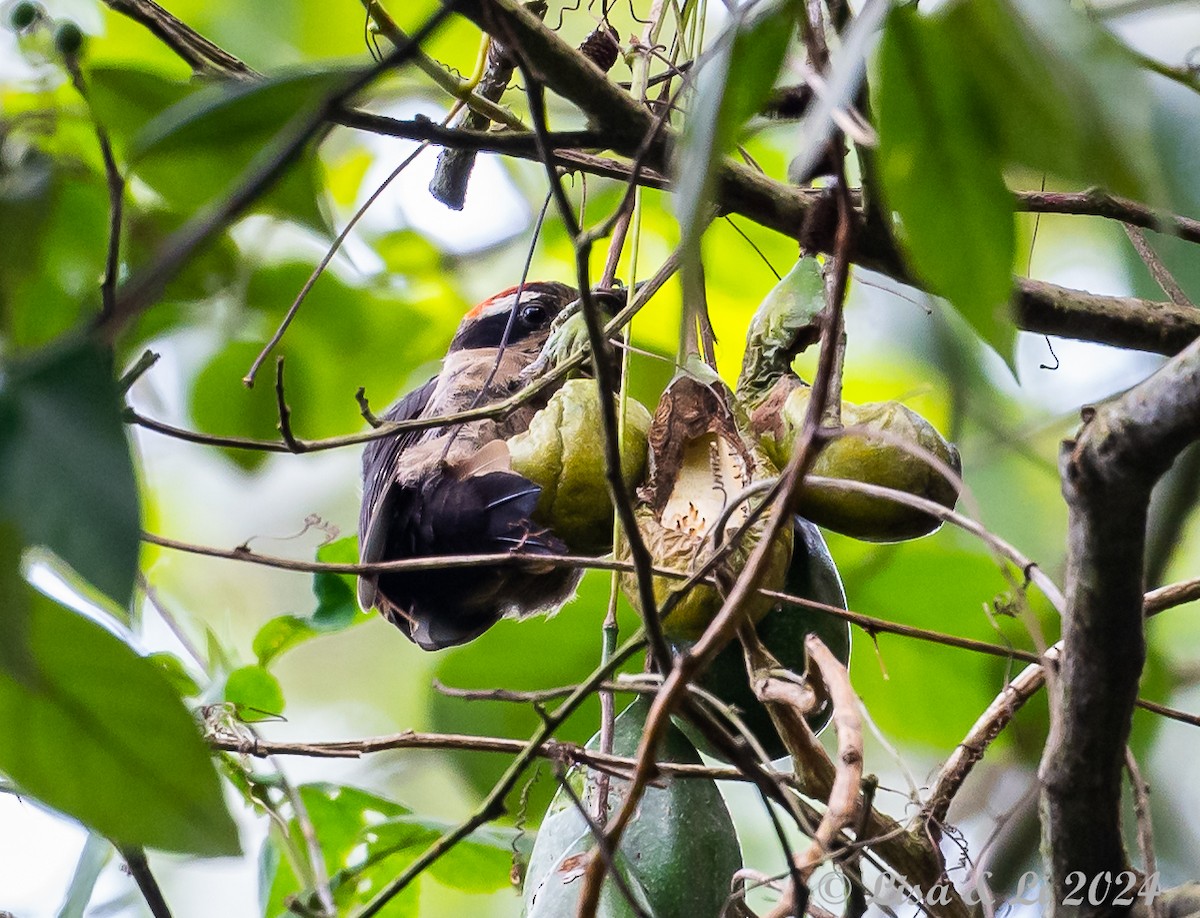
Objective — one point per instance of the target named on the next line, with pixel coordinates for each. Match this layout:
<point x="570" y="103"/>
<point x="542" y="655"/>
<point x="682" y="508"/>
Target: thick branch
<point x="1128" y="322"/>
<point x="1108" y="473"/>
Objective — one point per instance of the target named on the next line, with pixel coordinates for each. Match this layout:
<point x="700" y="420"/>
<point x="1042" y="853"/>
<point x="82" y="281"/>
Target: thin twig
<point x="285" y="413"/>
<point x="364" y="408"/>
<point x="1145" y="827"/>
<point x="134" y="373"/>
<point x="602" y="367"/>
<point x="1154" y="264"/>
<point x="316" y="857"/>
<point x="116" y="195"/>
<point x="248" y="379"/>
<point x="730" y="616"/>
<point x="493" y="804"/>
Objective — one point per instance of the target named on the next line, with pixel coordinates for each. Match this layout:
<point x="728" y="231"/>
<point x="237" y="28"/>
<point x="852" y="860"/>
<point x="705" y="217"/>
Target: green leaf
<point x="66" y="475"/>
<point x="14" y="603"/>
<point x="730" y="88"/>
<point x="59" y="214"/>
<point x="255" y="692"/>
<point x="1058" y="91"/>
<point x="925" y="693"/>
<point x="345" y="820"/>
<point x="172" y="667"/>
<point x="95" y="856"/>
<point x="125" y="99"/>
<point x="224" y="113"/>
<point x="279" y="635"/>
<point x="195" y="150"/>
<point x="337" y="596"/>
<point x="337" y="606"/>
<point x="480" y="863"/>
<point x="675" y="867"/>
<point x="942" y="174"/>
<point x="98" y="733"/>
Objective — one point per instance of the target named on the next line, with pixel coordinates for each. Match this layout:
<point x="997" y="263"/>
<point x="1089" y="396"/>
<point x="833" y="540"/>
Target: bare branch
<point x="1158" y="270"/>
<point x="1108" y="473"/>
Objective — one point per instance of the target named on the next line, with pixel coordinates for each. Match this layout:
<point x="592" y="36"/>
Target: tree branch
<point x="1128" y="322"/>
<point x="1108" y="473"/>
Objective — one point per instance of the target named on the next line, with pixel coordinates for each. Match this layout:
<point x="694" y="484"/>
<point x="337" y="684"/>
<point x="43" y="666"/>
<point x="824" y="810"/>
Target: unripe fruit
<point x="875" y="454"/>
<point x="563" y="453"/>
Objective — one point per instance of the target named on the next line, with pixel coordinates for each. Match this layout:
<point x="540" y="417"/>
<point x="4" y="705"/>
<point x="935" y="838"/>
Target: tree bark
<point x="1108" y="473"/>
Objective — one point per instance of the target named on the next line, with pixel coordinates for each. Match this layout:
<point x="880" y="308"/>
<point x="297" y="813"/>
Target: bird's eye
<point x="534" y="316"/>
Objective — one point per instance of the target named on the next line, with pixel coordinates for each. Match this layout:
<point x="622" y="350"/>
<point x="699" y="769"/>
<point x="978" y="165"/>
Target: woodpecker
<point x="449" y="490"/>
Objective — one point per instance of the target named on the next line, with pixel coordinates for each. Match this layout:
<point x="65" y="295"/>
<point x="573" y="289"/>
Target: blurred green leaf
<point x="279" y="635"/>
<point x="176" y="673"/>
<point x="224" y="113"/>
<point x="928" y="693"/>
<point x="66" y="476"/>
<point x="942" y="174"/>
<point x="255" y="692"/>
<point x="14" y="600"/>
<point x="408" y="253"/>
<point x="100" y="734"/>
<point x="337" y="319"/>
<point x="126" y="99"/>
<point x="1057" y="92"/>
<point x="337" y="596"/>
<point x="676" y="867"/>
<point x="344" y="818"/>
<point x="222" y="404"/>
<point x="55" y="216"/>
<point x="731" y="87"/>
<point x="480" y="863"/>
<point x="194" y="151"/>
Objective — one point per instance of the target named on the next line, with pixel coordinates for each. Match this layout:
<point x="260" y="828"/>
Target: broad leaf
<point x="942" y="174"/>
<point x="1059" y="93"/>
<point x="66" y="476"/>
<point x="99" y="733"/>
<point x="343" y="818"/>
<point x="126" y="99"/>
<point x="195" y="150"/>
<point x="280" y="635"/>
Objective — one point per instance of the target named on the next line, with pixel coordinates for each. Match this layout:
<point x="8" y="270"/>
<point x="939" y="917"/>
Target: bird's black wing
<point x="379" y="470"/>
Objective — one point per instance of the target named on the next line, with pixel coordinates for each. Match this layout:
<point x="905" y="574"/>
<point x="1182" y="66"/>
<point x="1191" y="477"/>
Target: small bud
<point x="23" y="15"/>
<point x="601" y="47"/>
<point x="68" y="39"/>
